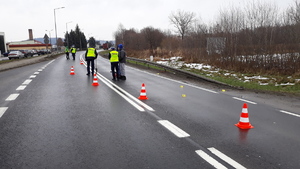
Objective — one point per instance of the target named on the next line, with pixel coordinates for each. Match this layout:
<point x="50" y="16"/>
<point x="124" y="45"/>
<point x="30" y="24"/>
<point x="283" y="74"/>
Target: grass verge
<point x="237" y="80"/>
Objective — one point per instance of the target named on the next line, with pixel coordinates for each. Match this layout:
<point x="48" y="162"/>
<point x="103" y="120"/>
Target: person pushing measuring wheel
<point x="122" y="61"/>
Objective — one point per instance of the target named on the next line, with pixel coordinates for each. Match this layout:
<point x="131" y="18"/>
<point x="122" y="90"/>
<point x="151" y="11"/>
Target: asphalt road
<point x="51" y="119"/>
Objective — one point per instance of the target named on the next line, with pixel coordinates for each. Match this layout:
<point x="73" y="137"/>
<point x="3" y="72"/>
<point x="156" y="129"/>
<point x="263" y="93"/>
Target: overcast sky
<point x="101" y="18"/>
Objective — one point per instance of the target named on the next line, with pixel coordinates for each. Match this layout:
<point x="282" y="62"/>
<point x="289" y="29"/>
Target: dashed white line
<point x="286" y="112"/>
<point x="244" y="100"/>
<point x="2" y="110"/>
<point x="22" y="87"/>
<point x="36" y="73"/>
<point x="226" y="158"/>
<point x="26" y="82"/>
<point x="12" y="97"/>
<point x="174" y="129"/>
<point x="32" y="76"/>
<point x="210" y="160"/>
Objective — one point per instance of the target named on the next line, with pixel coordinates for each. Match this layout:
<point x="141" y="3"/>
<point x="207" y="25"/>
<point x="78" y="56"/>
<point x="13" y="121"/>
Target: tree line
<point x="256" y="38"/>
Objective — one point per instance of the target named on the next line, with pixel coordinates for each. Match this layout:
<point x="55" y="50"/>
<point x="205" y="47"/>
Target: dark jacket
<point x="122" y="56"/>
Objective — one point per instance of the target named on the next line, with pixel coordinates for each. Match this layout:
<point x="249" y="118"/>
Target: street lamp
<point x="67" y="33"/>
<point x="55" y="26"/>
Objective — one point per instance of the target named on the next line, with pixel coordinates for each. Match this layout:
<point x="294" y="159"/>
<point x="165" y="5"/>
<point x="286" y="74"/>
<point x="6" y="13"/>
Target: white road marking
<point x="22" y="87"/>
<point x="128" y="97"/>
<point x="289" y="113"/>
<point x="126" y="93"/>
<point x="122" y="95"/>
<point x="226" y="158"/>
<point x="32" y="76"/>
<point x="210" y="160"/>
<point x="201" y="88"/>
<point x="2" y="110"/>
<point x="12" y="97"/>
<point x="36" y="73"/>
<point x="174" y="129"/>
<point x="244" y="100"/>
<point x="26" y="82"/>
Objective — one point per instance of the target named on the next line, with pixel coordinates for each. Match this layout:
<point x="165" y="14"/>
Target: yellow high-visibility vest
<point x="91" y="52"/>
<point x="73" y="50"/>
<point x="114" y="57"/>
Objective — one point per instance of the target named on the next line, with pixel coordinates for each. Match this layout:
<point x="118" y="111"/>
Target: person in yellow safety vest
<point x="67" y="52"/>
<point x="73" y="51"/>
<point x="114" y="62"/>
<point x="90" y="55"/>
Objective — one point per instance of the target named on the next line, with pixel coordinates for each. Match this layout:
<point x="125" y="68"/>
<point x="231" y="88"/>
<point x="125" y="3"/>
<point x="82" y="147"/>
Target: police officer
<point x="73" y="51"/>
<point x="90" y="55"/>
<point x="114" y="62"/>
<point x="67" y="52"/>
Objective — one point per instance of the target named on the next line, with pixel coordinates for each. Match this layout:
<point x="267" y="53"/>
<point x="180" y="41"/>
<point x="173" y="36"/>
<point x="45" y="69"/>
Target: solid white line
<point x="174" y="129"/>
<point x="244" y="100"/>
<point x="127" y="96"/>
<point x="210" y="160"/>
<point x="226" y="158"/>
<point x="26" y="82"/>
<point x="201" y="88"/>
<point x="21" y="87"/>
<point x="122" y="95"/>
<point x="2" y="110"/>
<point x="12" y="97"/>
<point x="286" y="112"/>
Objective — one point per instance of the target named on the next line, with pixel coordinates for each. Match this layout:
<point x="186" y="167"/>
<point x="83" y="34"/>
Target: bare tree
<point x="182" y="21"/>
<point x="119" y="34"/>
<point x="153" y="37"/>
<point x="294" y="13"/>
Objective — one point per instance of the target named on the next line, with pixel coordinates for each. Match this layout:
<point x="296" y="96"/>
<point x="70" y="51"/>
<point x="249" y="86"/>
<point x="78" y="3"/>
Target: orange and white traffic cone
<point x="143" y="93"/>
<point x="244" y="119"/>
<point x="72" y="71"/>
<point x="81" y="61"/>
<point x="95" y="80"/>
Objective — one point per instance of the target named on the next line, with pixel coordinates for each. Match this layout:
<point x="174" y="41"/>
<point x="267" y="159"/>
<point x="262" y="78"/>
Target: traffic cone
<point x="72" y="71"/>
<point x="95" y="80"/>
<point x="143" y="93"/>
<point x="81" y="61"/>
<point x="244" y="119"/>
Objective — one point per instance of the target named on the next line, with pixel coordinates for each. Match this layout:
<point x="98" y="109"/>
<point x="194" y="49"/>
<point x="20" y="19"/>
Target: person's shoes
<point x="88" y="74"/>
<point x="124" y="77"/>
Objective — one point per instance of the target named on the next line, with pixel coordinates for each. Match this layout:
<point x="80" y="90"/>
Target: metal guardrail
<point x="174" y="70"/>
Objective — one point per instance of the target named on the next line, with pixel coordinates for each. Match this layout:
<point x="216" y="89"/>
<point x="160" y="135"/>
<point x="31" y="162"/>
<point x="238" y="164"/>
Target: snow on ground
<point x="176" y="63"/>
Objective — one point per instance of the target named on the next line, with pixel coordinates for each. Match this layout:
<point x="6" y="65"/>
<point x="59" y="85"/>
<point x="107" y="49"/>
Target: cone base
<point x="95" y="84"/>
<point x="244" y="126"/>
<point x="143" y="97"/>
<point x="72" y="73"/>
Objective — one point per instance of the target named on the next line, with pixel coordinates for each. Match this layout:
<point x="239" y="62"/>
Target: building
<point x="2" y="43"/>
<point x="29" y="44"/>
